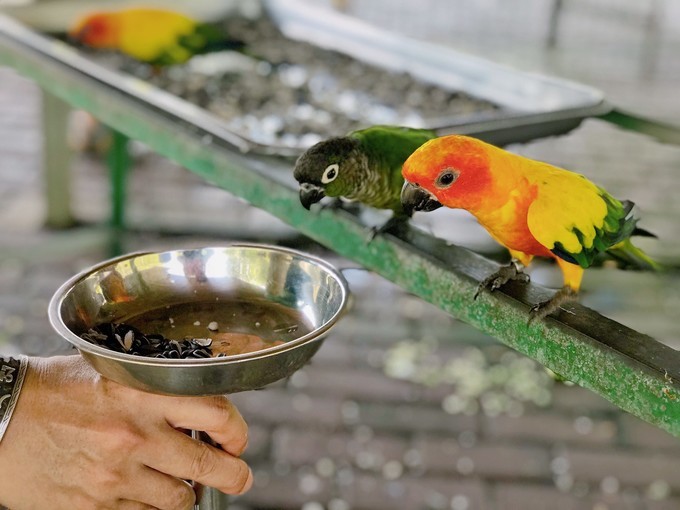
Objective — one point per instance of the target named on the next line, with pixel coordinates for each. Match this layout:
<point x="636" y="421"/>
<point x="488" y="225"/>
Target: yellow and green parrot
<point x="157" y="36"/>
<point x="363" y="166"/>
<point x="530" y="207"/>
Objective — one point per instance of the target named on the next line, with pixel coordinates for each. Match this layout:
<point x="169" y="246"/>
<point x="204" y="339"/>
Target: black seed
<point x="128" y="339"/>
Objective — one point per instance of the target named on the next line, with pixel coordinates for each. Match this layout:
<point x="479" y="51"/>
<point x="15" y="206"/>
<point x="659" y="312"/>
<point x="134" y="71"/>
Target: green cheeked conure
<point x="363" y="166"/>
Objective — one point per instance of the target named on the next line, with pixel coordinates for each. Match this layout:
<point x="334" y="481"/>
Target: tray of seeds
<point x="302" y="73"/>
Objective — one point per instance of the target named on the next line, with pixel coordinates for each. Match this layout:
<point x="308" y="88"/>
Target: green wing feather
<point x="387" y="147"/>
<point x="577" y="220"/>
<point x="205" y="38"/>
<point x="617" y="226"/>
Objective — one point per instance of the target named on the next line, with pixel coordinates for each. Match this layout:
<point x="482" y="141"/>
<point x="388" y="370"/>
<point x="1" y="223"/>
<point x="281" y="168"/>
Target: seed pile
<point x="129" y="340"/>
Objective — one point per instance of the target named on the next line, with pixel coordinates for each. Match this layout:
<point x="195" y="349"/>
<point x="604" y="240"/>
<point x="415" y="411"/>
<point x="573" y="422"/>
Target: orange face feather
<point x="100" y="30"/>
<point x="464" y="158"/>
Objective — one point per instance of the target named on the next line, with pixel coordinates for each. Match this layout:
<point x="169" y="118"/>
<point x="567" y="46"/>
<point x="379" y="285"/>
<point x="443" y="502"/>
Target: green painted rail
<point x="632" y="370"/>
<point x="660" y="131"/>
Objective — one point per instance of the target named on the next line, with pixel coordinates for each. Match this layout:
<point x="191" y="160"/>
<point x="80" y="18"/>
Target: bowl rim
<point x="81" y="344"/>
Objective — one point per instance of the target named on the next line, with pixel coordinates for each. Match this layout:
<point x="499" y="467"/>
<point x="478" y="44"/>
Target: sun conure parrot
<point x="157" y="36"/>
<point x="530" y="207"/>
<point x="363" y="166"/>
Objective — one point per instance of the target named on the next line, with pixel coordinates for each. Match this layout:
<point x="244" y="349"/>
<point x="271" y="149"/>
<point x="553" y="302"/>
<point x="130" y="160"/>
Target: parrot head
<point x="327" y="169"/>
<point x="99" y="30"/>
<point x="449" y="170"/>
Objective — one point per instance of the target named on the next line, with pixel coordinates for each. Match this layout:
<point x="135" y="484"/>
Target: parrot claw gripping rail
<point x="632" y="370"/>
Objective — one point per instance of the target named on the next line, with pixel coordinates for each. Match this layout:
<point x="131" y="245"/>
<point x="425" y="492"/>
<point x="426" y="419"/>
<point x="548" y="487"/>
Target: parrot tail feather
<point x="643" y="233"/>
<point x="632" y="257"/>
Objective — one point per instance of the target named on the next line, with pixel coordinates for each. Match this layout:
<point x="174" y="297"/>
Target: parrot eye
<point x="330" y="173"/>
<point x="446" y="178"/>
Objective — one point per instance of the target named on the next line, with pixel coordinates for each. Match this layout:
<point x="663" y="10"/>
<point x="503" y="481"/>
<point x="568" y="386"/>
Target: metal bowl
<point x="272" y="292"/>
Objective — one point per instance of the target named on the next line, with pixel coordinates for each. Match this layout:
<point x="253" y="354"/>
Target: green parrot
<point x="363" y="166"/>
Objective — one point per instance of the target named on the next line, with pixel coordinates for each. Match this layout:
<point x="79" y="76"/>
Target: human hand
<point x="79" y="441"/>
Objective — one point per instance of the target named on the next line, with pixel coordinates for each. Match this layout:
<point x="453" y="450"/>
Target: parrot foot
<point x="336" y="204"/>
<point x="513" y="271"/>
<point x="394" y="225"/>
<point x="544" y="308"/>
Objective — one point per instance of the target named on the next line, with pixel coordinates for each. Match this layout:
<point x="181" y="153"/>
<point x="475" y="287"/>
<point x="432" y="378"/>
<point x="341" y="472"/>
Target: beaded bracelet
<point x="12" y="372"/>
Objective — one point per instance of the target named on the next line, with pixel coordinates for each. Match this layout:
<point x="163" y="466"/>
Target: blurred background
<point x="403" y="406"/>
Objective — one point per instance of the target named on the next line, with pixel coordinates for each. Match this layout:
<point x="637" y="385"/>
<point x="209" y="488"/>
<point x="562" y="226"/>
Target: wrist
<point x="12" y="374"/>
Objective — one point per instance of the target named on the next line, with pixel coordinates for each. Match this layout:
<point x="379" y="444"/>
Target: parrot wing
<point x="150" y="34"/>
<point x="164" y="37"/>
<point x="574" y="218"/>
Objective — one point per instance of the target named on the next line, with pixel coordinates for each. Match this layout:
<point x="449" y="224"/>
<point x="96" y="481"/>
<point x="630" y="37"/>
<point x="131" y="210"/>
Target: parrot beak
<point x="414" y="198"/>
<point x="77" y="35"/>
<point x="310" y="194"/>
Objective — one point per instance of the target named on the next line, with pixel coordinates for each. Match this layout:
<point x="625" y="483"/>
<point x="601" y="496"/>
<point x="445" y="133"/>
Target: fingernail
<point x="249" y="482"/>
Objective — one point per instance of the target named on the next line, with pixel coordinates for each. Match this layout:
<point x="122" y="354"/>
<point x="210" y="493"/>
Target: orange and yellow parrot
<point x="532" y="208"/>
<point x="156" y="36"/>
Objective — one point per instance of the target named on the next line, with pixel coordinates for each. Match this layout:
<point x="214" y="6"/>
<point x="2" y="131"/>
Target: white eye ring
<point x="330" y="173"/>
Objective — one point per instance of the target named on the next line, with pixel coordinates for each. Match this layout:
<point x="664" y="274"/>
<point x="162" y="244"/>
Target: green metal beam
<point x="119" y="167"/>
<point x="661" y="131"/>
<point x="630" y="369"/>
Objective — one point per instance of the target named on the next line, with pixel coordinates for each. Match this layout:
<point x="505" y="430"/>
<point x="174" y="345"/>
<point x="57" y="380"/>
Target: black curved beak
<point x="414" y="198"/>
<point x="310" y="194"/>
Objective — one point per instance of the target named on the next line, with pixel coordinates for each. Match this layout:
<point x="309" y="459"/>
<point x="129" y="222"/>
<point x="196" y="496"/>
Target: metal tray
<point x="530" y="106"/>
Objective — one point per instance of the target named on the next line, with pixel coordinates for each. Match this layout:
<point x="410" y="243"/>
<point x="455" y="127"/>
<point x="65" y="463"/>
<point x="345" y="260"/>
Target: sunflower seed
<point x="127" y="340"/>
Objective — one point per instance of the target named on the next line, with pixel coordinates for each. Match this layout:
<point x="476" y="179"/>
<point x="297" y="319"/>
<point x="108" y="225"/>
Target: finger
<point x="195" y="460"/>
<point x="126" y="504"/>
<point x="160" y="491"/>
<point x="215" y="415"/>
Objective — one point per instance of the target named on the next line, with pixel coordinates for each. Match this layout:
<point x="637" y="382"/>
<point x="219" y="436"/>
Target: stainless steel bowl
<point x="307" y="295"/>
